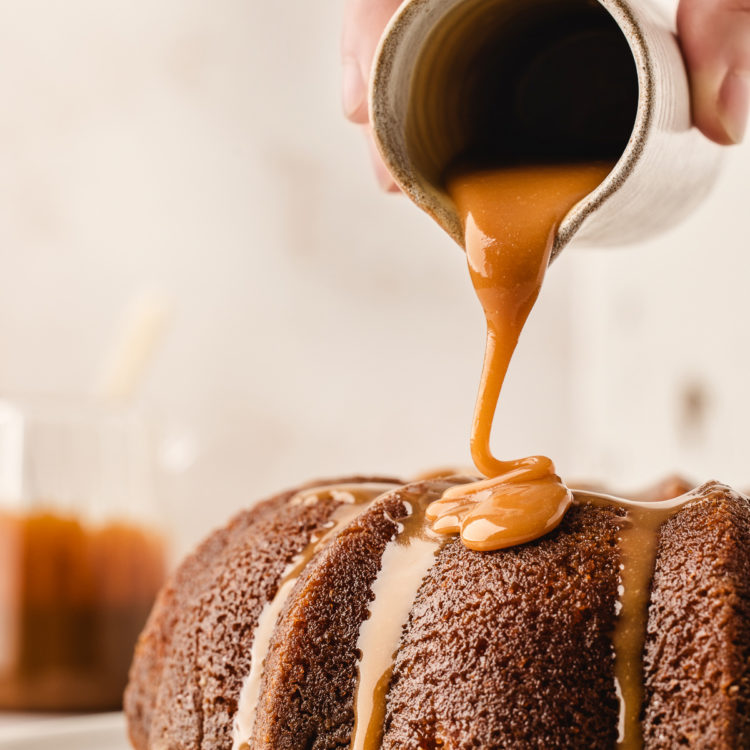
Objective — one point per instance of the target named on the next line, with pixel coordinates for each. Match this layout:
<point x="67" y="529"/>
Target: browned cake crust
<point x="155" y="644"/>
<point x="311" y="669"/>
<point x="194" y="653"/>
<point x="698" y="646"/>
<point x="510" y="649"/>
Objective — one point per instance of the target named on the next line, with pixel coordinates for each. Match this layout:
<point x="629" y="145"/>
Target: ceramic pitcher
<point x="539" y="81"/>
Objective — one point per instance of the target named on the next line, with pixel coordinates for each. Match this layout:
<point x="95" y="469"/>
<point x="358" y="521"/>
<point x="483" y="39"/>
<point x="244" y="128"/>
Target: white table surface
<point x="35" y="732"/>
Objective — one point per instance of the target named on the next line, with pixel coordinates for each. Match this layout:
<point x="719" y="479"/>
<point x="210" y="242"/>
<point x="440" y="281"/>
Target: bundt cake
<point x="330" y="616"/>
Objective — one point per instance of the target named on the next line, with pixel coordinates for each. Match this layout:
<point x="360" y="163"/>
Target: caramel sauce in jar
<point x="73" y="599"/>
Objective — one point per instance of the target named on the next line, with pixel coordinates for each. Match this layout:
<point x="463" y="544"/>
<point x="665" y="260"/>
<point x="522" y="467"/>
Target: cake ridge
<point x="405" y="562"/>
<point x="355" y="499"/>
<point x="166" y="679"/>
<point x="638" y="541"/>
<point x="701" y="585"/>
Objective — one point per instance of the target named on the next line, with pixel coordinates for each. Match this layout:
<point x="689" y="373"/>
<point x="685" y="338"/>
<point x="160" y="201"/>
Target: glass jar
<point x="82" y="555"/>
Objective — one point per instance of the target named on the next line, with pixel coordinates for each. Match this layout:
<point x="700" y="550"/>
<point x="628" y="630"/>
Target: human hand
<point x="364" y="22"/>
<point x="715" y="40"/>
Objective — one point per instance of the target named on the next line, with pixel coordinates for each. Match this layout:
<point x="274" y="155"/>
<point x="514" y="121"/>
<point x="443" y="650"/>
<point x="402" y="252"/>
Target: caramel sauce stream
<point x="510" y="217"/>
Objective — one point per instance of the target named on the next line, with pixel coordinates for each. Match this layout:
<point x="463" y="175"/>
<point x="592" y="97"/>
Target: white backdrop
<point x="320" y="327"/>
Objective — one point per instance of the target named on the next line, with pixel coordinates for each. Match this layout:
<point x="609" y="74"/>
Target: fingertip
<point x="714" y="40"/>
<point x="720" y="105"/>
<point x="358" y="116"/>
<point x="383" y="176"/>
<point x="386" y="182"/>
<point x="734" y="100"/>
<point x="704" y="95"/>
<point x="354" y="92"/>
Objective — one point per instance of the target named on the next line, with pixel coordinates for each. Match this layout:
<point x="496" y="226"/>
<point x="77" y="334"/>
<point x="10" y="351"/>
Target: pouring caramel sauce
<point x="510" y="218"/>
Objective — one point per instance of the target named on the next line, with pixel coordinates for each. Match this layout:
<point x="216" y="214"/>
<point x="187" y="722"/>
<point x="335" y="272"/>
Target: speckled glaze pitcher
<point x="543" y="80"/>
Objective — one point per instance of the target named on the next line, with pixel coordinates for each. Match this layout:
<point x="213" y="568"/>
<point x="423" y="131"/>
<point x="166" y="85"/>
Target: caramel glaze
<point x="638" y="543"/>
<point x="355" y="499"/>
<point x="405" y="563"/>
<point x="410" y="555"/>
<point x="510" y="217"/>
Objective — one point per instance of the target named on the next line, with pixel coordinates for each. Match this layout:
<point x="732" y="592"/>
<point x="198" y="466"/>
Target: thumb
<point x="715" y="40"/>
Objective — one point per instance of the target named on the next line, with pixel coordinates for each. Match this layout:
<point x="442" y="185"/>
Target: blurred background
<point x="194" y="155"/>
